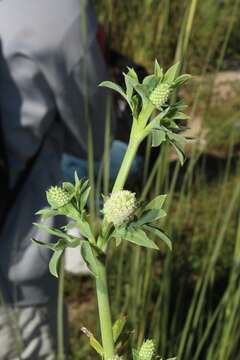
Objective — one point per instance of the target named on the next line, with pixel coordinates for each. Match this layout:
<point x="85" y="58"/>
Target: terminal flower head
<point x="120" y="207"/>
<point x="147" y="350"/>
<point x="160" y="94"/>
<point x="58" y="197"/>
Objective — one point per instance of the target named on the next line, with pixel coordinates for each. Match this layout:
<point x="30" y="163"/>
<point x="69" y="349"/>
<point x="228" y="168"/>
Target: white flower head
<point x="120" y="207"/>
<point x="57" y="197"/>
<point x="147" y="350"/>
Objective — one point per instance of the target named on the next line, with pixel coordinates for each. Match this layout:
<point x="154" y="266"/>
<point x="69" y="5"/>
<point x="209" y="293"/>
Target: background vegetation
<point x="188" y="300"/>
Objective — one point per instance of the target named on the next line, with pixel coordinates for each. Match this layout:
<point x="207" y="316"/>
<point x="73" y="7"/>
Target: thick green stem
<point x="60" y="327"/>
<point x="126" y="165"/>
<point x="104" y="312"/>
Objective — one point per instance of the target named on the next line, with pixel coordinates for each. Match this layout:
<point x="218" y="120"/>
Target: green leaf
<point x="157" y="202"/>
<point x="149" y="216"/>
<point x="180" y="152"/>
<point x="85" y="229"/>
<point x="160" y="234"/>
<point x="180" y="80"/>
<point x="55" y="232"/>
<point x="70" y="188"/>
<point x="115" y="87"/>
<point x="96" y="345"/>
<point x="171" y="73"/>
<point x="150" y="82"/>
<point x="135" y="354"/>
<point x="89" y="257"/>
<point x="139" y="237"/>
<point x="54" y="262"/>
<point x="84" y="198"/>
<point x="158" y="137"/>
<point x="60" y="244"/>
<point x="157" y="69"/>
<point x="47" y="212"/>
<point x="118" y="327"/>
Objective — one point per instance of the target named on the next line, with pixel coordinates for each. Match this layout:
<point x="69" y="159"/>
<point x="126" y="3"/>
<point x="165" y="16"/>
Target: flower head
<point x="119" y="207"/>
<point x="147" y="350"/>
<point x="57" y="197"/>
<point x="160" y="94"/>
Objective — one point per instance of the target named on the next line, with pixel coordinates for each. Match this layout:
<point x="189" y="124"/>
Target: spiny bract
<point x="119" y="207"/>
<point x="57" y="197"/>
<point x="160" y="94"/>
<point x="147" y="350"/>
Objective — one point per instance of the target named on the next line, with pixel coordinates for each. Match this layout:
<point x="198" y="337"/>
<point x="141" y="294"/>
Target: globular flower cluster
<point x="120" y="207"/>
<point x="147" y="350"/>
<point x="160" y="94"/>
<point x="57" y="197"/>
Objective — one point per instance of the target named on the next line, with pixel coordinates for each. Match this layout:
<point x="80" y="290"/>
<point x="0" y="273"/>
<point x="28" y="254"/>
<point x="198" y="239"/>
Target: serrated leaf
<point x="159" y="233"/>
<point x="180" y="80"/>
<point x="135" y="354"/>
<point x="85" y="229"/>
<point x="89" y="257"/>
<point x="53" y="231"/>
<point x="139" y="237"/>
<point x="180" y="152"/>
<point x="157" y="202"/>
<point x="84" y="198"/>
<point x="150" y="82"/>
<point x="149" y="216"/>
<point x="171" y="73"/>
<point x="115" y="87"/>
<point x="60" y="244"/>
<point x="96" y="345"/>
<point x="157" y="69"/>
<point x="118" y="328"/>
<point x="47" y="212"/>
<point x="54" y="262"/>
<point x="158" y="137"/>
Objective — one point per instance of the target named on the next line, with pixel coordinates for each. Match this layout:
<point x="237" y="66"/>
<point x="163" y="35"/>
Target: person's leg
<point x="27" y="333"/>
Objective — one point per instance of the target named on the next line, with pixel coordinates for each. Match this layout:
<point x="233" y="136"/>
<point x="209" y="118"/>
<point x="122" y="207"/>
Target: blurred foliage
<point x="149" y="29"/>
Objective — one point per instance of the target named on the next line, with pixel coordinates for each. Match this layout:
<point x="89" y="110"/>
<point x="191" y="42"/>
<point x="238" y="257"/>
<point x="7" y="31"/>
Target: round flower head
<point x="119" y="207"/>
<point x="147" y="350"/>
<point x="57" y="197"/>
<point x="160" y="94"/>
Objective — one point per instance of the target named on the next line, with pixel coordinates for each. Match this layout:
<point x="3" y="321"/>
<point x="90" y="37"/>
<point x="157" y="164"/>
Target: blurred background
<point x="187" y="300"/>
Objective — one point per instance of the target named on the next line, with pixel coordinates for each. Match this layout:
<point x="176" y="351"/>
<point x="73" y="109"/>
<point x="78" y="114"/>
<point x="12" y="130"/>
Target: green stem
<point x="104" y="312"/>
<point x="126" y="165"/>
<point x="60" y="332"/>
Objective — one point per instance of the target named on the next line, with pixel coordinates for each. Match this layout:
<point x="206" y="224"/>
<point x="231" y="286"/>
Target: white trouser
<point x="25" y="333"/>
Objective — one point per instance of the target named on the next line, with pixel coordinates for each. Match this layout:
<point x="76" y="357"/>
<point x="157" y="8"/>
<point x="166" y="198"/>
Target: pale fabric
<point x="44" y="54"/>
<point x="25" y="334"/>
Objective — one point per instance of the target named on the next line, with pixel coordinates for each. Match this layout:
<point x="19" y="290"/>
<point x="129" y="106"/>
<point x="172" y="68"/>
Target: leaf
<point x="85" y="229"/>
<point x="115" y="87"/>
<point x="59" y="245"/>
<point x="131" y="80"/>
<point x="161" y="234"/>
<point x="171" y="73"/>
<point x="149" y="216"/>
<point x="54" y="262"/>
<point x="89" y="257"/>
<point x="157" y="202"/>
<point x="84" y="198"/>
<point x="46" y="213"/>
<point x="157" y="69"/>
<point x="55" y="232"/>
<point x="135" y="354"/>
<point x="118" y="327"/>
<point x="158" y="137"/>
<point x="96" y="345"/>
<point x="180" y="152"/>
<point x="150" y="82"/>
<point x="180" y="80"/>
<point x="139" y="237"/>
<point x="70" y="188"/>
